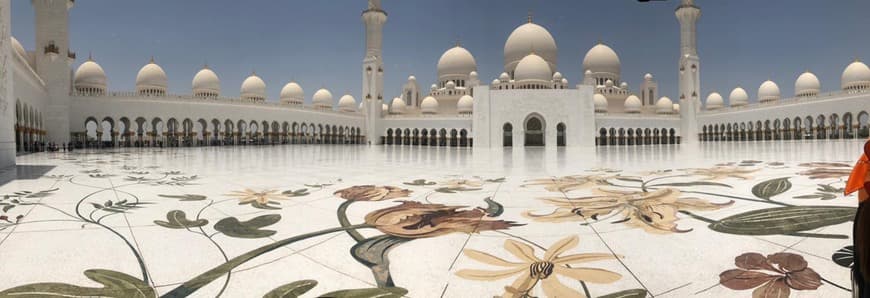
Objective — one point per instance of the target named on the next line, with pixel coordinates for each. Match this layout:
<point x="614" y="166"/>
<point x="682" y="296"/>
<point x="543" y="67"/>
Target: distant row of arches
<point x="29" y="129"/>
<point x="636" y="136"/>
<point x="831" y="126"/>
<point x="428" y="137"/>
<point x="155" y="132"/>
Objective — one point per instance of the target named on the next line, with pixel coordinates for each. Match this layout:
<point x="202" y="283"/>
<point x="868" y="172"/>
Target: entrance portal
<point x="534" y="128"/>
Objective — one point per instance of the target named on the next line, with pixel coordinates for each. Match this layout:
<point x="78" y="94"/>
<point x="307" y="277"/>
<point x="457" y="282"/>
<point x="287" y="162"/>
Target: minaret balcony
<point x="52" y="51"/>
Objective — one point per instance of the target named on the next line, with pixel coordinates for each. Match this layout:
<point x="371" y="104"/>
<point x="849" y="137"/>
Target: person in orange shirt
<point x="859" y="181"/>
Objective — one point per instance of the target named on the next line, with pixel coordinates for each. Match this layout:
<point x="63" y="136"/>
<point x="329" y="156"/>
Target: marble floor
<point x="711" y="220"/>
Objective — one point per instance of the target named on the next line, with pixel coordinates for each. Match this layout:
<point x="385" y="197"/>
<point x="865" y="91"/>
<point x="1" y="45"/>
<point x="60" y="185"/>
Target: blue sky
<point x="321" y="43"/>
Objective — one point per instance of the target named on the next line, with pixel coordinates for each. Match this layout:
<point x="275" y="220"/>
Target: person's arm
<point x="865" y="193"/>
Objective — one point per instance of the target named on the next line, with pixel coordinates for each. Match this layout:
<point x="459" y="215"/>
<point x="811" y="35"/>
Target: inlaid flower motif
<point x="532" y="270"/>
<point x="418" y="220"/>
<point x="372" y="193"/>
<point x="721" y="172"/>
<point x="655" y="211"/>
<point x="773" y="276"/>
<point x="260" y="197"/>
<point x="825" y="172"/>
<point x="462" y="183"/>
<point x="821" y="164"/>
<point x="568" y="183"/>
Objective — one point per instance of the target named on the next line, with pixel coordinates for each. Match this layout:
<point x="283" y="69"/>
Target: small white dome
<point x="457" y="61"/>
<point x="465" y="105"/>
<point x="90" y="75"/>
<point x="496" y="82"/>
<point x="648" y="77"/>
<point x="715" y="101"/>
<point x="557" y="77"/>
<point x="807" y="84"/>
<point x="564" y="81"/>
<point x="397" y="106"/>
<point x="385" y="108"/>
<point x="504" y="77"/>
<point x="412" y="78"/>
<point x="433" y="87"/>
<point x="18" y="47"/>
<point x="632" y="104"/>
<point x="450" y="85"/>
<point x="676" y="108"/>
<point x="600" y="103"/>
<point x="623" y="85"/>
<point x="768" y="91"/>
<point x="472" y="75"/>
<point x="665" y="105"/>
<point x="526" y="39"/>
<point x="738" y="97"/>
<point x="347" y="103"/>
<point x="608" y="83"/>
<point x="322" y="99"/>
<point x="292" y="93"/>
<point x="361" y="105"/>
<point x="253" y="88"/>
<point x="429" y="105"/>
<point x="602" y="59"/>
<point x="206" y="83"/>
<point x="151" y="78"/>
<point x="856" y="76"/>
<point x="533" y="68"/>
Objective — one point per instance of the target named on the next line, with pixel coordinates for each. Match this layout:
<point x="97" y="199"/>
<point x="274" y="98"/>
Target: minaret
<point x="373" y="69"/>
<point x="53" y="60"/>
<point x="690" y="69"/>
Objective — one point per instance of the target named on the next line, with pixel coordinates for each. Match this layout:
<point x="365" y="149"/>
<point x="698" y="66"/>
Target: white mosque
<point x="529" y="104"/>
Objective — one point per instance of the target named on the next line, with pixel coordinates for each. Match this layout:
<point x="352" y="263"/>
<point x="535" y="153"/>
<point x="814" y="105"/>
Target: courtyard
<point x="311" y="220"/>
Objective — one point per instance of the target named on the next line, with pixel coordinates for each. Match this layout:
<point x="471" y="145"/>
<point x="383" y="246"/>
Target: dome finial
<point x="458" y="42"/>
<point x="152" y="60"/>
<point x="205" y="65"/>
<point x="529" y="17"/>
<point x="90" y="56"/>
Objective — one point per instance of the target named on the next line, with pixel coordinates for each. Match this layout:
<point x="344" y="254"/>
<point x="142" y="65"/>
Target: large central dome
<point x="527" y="39"/>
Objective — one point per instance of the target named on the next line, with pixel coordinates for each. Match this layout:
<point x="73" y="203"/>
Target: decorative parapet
<point x="429" y="116"/>
<point x="222" y="100"/>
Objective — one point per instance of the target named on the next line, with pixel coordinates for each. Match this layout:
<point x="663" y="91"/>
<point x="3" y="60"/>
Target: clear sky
<point x="321" y="43"/>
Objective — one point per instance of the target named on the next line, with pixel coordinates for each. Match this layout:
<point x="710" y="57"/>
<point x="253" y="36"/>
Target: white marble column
<point x="7" y="101"/>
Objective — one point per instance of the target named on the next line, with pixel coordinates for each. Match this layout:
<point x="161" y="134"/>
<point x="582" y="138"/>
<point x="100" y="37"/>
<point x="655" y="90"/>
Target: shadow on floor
<point x="24" y="172"/>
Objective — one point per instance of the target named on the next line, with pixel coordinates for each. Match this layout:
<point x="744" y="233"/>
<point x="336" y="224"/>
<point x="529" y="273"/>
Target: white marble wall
<point x="573" y="107"/>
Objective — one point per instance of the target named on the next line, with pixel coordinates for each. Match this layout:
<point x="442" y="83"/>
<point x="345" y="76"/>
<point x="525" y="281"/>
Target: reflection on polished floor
<point x="641" y="221"/>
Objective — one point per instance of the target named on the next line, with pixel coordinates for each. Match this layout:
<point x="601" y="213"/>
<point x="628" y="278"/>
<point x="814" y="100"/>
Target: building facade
<point x="529" y="104"/>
